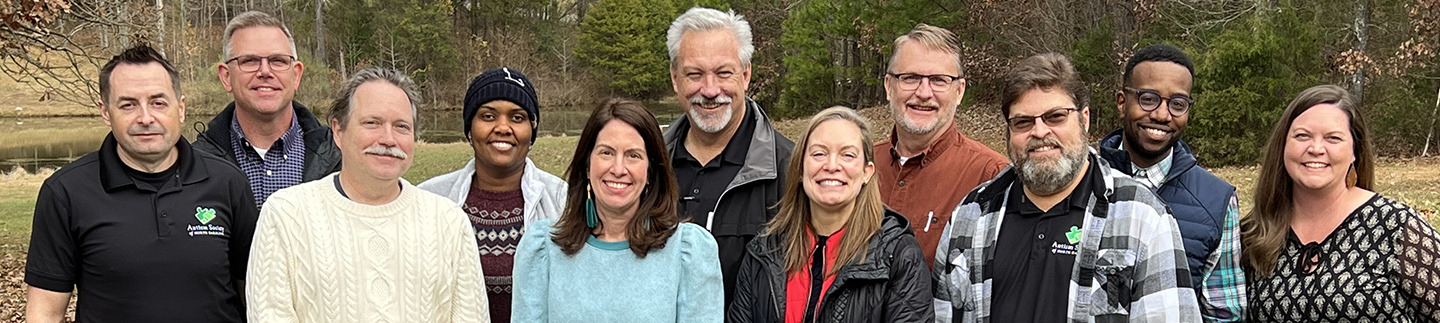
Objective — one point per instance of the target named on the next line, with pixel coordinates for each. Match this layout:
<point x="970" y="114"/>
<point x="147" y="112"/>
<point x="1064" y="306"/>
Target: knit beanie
<point x="502" y="84"/>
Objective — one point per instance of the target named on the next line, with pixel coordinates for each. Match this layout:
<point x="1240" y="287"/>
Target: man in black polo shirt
<point x="146" y="229"/>
<point x="729" y="161"/>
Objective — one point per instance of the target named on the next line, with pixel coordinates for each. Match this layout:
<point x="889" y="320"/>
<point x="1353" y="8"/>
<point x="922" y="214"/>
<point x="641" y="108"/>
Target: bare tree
<point x="45" y="43"/>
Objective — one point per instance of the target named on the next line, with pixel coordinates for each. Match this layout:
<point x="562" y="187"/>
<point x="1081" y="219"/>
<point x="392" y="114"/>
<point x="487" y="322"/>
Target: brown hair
<point x="1264" y="229"/>
<point x="934" y="38"/>
<point x="792" y="222"/>
<point x="254" y="19"/>
<point x="1044" y="71"/>
<point x="656" y="216"/>
<point x="138" y="55"/>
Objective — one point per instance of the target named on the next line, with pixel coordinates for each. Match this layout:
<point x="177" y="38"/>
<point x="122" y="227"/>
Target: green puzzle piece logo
<point x="204" y="214"/>
<point x="1073" y="235"/>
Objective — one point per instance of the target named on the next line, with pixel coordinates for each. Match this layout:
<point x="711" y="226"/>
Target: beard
<point x="1045" y="177"/>
<point x="911" y="126"/>
<point x="711" y="122"/>
<point x="1131" y="140"/>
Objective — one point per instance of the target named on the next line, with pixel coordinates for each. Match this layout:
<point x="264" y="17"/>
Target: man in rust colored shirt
<point x="926" y="166"/>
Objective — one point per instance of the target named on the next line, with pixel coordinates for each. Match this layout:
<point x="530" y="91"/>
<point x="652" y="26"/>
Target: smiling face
<point x="710" y="79"/>
<point x="500" y="135"/>
<point x="1149" y="135"/>
<point x="264" y="91"/>
<point x="1319" y="148"/>
<point x="1048" y="156"/>
<point x="835" y="167"/>
<point x="618" y="168"/>
<point x="923" y="110"/>
<point x="143" y="112"/>
<point x="380" y="136"/>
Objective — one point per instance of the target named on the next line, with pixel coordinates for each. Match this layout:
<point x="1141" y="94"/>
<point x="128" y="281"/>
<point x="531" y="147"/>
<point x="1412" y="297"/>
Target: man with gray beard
<point x="729" y="161"/>
<point x="1080" y="241"/>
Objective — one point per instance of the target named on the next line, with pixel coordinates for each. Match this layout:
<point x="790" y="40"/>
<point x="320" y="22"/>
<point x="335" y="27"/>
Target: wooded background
<point x="1252" y="56"/>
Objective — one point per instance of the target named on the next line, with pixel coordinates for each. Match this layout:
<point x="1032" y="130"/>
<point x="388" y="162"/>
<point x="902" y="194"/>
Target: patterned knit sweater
<point x="319" y="257"/>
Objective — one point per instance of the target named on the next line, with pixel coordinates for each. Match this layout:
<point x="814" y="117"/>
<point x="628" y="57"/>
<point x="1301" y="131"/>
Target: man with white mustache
<point x="1060" y="236"/>
<point x="927" y="165"/>
<point x="363" y="244"/>
<point x="729" y="161"/>
<point x="275" y="140"/>
<point x="1154" y="104"/>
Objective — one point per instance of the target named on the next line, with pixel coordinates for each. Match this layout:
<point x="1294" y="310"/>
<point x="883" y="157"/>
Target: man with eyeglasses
<point x="927" y="165"/>
<point x="276" y="141"/>
<point x="1059" y="236"/>
<point x="1154" y="104"/>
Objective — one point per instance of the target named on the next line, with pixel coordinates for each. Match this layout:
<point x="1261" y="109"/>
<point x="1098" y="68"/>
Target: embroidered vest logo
<point x="205" y="215"/>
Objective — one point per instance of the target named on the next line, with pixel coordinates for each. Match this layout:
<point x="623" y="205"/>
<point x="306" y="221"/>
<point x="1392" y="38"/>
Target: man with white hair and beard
<point x="1079" y="240"/>
<point x="363" y="244"/>
<point x="729" y="161"/>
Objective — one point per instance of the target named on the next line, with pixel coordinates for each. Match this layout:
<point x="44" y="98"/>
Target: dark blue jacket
<point x="1196" y="197"/>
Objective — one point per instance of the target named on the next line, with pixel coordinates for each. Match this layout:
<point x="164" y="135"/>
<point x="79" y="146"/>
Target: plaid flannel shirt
<point x="1224" y="290"/>
<point x="1130" y="267"/>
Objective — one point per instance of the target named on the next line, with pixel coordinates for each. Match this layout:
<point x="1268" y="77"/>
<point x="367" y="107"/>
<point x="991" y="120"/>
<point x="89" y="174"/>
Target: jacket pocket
<point x="1114" y="281"/>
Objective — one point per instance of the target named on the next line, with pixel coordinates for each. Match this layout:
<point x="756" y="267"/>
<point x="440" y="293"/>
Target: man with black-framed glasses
<point x="1155" y="105"/>
<point x="275" y="140"/>
<point x="926" y="165"/>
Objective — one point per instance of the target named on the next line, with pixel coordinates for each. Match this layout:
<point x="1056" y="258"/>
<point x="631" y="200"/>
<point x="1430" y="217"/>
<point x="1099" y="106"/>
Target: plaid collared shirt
<point x="1130" y="267"/>
<point x="279" y="168"/>
<point x="1224" y="290"/>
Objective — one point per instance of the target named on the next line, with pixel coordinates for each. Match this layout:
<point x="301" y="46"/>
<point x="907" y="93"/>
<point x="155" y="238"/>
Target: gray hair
<point x="256" y="19"/>
<point x="934" y="38"/>
<point x="344" y="99"/>
<point x="706" y="19"/>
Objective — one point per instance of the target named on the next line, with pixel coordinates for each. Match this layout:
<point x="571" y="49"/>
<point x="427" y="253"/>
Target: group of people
<point x="717" y="217"/>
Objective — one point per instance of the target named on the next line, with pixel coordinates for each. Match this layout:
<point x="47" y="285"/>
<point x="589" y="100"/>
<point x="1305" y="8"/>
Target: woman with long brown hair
<point x="833" y="253"/>
<point x="1320" y="245"/>
<point x="618" y="253"/>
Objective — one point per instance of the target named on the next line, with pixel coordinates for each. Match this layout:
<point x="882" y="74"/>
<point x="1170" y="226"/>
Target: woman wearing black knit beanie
<point x="501" y="189"/>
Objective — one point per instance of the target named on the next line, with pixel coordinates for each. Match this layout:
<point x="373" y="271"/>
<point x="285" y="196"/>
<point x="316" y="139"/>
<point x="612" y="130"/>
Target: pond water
<point x="34" y="143"/>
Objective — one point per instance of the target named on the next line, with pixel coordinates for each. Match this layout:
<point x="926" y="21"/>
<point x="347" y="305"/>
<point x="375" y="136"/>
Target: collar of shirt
<point x="735" y="150"/>
<point x="237" y="135"/>
<point x="947" y="138"/>
<point x="1154" y="175"/>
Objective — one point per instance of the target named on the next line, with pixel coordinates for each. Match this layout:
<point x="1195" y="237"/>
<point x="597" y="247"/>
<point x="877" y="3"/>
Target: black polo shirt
<point x="702" y="185"/>
<point x="141" y="253"/>
<point x="1036" y="255"/>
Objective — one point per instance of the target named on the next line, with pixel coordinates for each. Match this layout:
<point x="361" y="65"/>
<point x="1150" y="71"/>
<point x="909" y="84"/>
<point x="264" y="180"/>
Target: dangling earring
<point x="1351" y="177"/>
<point x="591" y="220"/>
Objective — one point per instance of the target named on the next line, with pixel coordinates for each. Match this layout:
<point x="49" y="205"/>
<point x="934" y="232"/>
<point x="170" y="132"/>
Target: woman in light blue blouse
<point x="618" y="253"/>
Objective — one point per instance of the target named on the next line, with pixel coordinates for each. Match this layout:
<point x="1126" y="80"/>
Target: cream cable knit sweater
<point x="319" y="257"/>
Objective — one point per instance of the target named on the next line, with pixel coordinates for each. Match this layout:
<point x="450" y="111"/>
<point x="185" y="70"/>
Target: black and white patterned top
<point x="1379" y="265"/>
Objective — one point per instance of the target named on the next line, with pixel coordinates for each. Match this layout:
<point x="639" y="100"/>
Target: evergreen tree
<point x="623" y="41"/>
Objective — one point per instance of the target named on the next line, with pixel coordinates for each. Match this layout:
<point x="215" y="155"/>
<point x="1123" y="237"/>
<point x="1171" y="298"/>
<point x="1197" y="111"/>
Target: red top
<point x="797" y="287"/>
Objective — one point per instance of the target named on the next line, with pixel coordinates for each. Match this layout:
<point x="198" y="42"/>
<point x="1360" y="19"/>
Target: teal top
<point x="606" y="282"/>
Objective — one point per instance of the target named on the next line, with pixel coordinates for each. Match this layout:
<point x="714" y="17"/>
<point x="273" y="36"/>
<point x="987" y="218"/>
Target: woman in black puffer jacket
<point x="834" y="253"/>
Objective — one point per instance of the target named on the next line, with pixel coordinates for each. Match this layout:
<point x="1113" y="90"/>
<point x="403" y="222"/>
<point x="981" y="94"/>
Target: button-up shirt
<point x="283" y="165"/>
<point x="929" y="185"/>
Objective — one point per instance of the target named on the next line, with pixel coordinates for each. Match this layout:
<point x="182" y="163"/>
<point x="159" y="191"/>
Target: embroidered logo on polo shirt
<point x="1072" y="236"/>
<point x="205" y="215"/>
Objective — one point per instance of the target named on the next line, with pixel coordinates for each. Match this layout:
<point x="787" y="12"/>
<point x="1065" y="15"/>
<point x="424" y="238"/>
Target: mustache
<point x="1047" y="141"/>
<point x="387" y="151"/>
<point x="147" y="129"/>
<point x="923" y="103"/>
<point x="701" y="99"/>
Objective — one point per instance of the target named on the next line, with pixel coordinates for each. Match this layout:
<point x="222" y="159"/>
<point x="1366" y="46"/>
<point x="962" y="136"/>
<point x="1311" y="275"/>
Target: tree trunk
<point x="160" y="26"/>
<point x="1362" y="38"/>
<point x="1425" y="152"/>
<point x="319" y="31"/>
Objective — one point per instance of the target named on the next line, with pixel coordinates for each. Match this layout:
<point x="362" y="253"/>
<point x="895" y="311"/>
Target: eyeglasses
<point x="251" y="63"/>
<point x="911" y="81"/>
<point x="1053" y="118"/>
<point x="1150" y="100"/>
